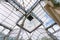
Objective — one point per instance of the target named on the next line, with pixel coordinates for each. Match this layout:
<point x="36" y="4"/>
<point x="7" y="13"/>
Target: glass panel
<point x="42" y="15"/>
<point x="6" y="31"/>
<point x="51" y="30"/>
<point x="8" y="15"/>
<point x="56" y="27"/>
<point x="49" y="21"/>
<point x="14" y="33"/>
<point x="27" y="4"/>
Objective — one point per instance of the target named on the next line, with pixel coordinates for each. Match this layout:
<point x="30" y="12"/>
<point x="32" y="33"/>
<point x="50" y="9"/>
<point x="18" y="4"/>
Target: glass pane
<point x="27" y="4"/>
<point x="51" y="30"/>
<point x="8" y="15"/>
<point x="42" y="15"/>
<point x="49" y="21"/>
<point x="56" y="27"/>
<point x="6" y="31"/>
<point x="14" y="32"/>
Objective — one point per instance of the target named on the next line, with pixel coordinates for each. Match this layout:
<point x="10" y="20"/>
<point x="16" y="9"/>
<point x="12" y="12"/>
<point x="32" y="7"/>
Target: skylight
<point x="25" y="19"/>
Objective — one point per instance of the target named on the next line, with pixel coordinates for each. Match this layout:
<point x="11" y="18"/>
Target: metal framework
<point x="27" y="13"/>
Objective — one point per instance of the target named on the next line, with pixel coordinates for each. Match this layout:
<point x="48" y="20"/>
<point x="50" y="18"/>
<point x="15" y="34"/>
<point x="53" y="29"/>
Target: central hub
<point x="30" y="24"/>
<point x="30" y="17"/>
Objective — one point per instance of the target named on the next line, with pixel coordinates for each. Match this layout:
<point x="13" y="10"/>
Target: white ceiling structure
<point x="26" y="20"/>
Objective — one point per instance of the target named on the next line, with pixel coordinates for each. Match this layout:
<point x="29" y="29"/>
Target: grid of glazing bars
<point x="27" y="4"/>
<point x="12" y="17"/>
<point x="12" y="2"/>
<point x="8" y="15"/>
<point x="5" y="17"/>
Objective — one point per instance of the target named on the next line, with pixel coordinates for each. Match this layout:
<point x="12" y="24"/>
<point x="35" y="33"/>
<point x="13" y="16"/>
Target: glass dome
<point x="26" y="20"/>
